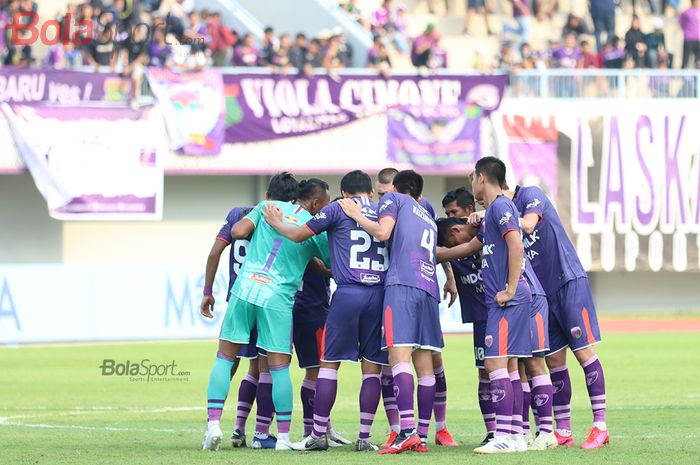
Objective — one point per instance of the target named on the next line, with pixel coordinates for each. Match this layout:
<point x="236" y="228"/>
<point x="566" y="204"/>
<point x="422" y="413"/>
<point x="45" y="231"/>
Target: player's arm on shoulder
<point x="244" y="227"/>
<point x="528" y="222"/>
<point x="472" y="247"/>
<point x="381" y="230"/>
<point x="273" y="215"/>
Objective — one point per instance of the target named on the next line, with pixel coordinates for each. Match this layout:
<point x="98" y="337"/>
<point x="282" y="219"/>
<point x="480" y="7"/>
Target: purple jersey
<point x="314" y="291"/>
<point x="470" y="287"/>
<point x="501" y="218"/>
<point x="531" y="277"/>
<point x="549" y="249"/>
<point x="239" y="248"/>
<point x="356" y="257"/>
<point x="411" y="245"/>
<point x="423" y="202"/>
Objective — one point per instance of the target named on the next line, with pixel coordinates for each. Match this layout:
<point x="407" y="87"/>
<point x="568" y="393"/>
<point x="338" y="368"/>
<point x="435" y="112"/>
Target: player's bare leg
<point x="595" y="383"/>
<point x="542" y="400"/>
<point x="246" y="396"/>
<point x="561" y="385"/>
<point x="282" y="396"/>
<point x="442" y="435"/>
<point x="400" y="361"/>
<point x="502" y="396"/>
<point x="217" y="391"/>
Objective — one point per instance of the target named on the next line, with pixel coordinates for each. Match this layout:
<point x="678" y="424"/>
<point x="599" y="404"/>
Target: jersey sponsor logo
<point x="497" y="395"/>
<point x="488" y="249"/>
<point x="576" y="332"/>
<point x="541" y="399"/>
<point x="427" y="268"/>
<point x="291" y="219"/>
<point x="261" y="278"/>
<point x="530" y="240"/>
<point x="367" y="278"/>
<point x="488" y="340"/>
<point x="320" y="216"/>
<point x="533" y="204"/>
<point x="385" y="205"/>
<point x="471" y="278"/>
<point x="505" y="218"/>
<point x="591" y="378"/>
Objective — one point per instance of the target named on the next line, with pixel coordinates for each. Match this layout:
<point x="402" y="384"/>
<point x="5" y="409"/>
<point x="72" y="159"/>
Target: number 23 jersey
<point x="356" y="257"/>
<point x="412" y="247"/>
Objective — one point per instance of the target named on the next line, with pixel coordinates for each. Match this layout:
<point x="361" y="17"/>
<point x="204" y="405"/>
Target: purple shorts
<point x="508" y="331"/>
<point x="479" y="347"/>
<point x="354" y="325"/>
<point x="307" y="332"/>
<point x="539" y="325"/>
<point x="411" y="319"/>
<point x="573" y="321"/>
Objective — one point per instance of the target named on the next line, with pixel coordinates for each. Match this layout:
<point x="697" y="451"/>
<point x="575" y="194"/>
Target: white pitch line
<point x="92" y="411"/>
<point x="95" y="428"/>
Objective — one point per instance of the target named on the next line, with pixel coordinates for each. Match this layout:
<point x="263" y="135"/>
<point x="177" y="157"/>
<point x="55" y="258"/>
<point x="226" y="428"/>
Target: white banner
<point x="93" y="163"/>
<point x="67" y="303"/>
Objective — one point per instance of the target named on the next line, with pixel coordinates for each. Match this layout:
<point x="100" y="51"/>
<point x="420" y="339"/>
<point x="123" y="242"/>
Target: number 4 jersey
<point x="412" y="244"/>
<point x="356" y="257"/>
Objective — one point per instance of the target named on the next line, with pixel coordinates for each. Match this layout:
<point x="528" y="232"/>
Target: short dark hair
<point x="356" y="182"/>
<point x="461" y="195"/>
<point x="444" y="225"/>
<point x="283" y="187"/>
<point x="312" y="187"/>
<point x="268" y="29"/>
<point x="409" y="182"/>
<point x="386" y="176"/>
<point x="493" y="169"/>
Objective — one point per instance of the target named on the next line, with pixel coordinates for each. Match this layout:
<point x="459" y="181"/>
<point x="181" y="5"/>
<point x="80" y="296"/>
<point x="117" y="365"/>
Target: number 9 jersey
<point x="356" y="257"/>
<point x="412" y="248"/>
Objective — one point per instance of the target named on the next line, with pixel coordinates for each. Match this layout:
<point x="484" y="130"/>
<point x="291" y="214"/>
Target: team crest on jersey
<point x="541" y="399"/>
<point x="488" y="341"/>
<point x="576" y="332"/>
<point x="557" y="386"/>
<point x="591" y="378"/>
<point x="533" y="204"/>
<point x="291" y="219"/>
<point x="497" y="395"/>
<point x="261" y="278"/>
<point x="505" y="218"/>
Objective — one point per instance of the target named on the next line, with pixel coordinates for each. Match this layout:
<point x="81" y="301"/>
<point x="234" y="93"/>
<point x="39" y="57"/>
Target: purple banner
<point x="268" y="107"/>
<point x="434" y="137"/>
<point x="27" y="85"/>
<point x="194" y="109"/>
<point x="93" y="163"/>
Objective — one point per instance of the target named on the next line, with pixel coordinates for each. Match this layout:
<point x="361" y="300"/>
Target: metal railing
<point x="605" y="83"/>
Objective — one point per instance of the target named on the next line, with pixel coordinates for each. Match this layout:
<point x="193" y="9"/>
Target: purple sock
<point x="561" y="387"/>
<point x="369" y="401"/>
<point x="246" y="397"/>
<point x="308" y="391"/>
<point x="526" y="407"/>
<point x="533" y="405"/>
<point x="389" y="396"/>
<point x="440" y="396"/>
<point x="595" y="382"/>
<point x="542" y="399"/>
<point x="426" y="402"/>
<point x="403" y="380"/>
<point x="516" y="426"/>
<point x="326" y="390"/>
<point x="266" y="409"/>
<point x="502" y="398"/>
<point x="486" y="405"/>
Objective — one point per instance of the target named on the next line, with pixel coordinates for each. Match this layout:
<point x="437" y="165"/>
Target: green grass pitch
<point x="57" y="408"/>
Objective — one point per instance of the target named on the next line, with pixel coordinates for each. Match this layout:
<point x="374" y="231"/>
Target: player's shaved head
<point x="283" y="187"/>
<point x="409" y="182"/>
<point x="386" y="176"/>
<point x="313" y="194"/>
<point x="356" y="182"/>
<point x="493" y="169"/>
